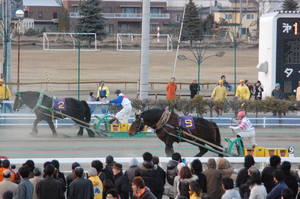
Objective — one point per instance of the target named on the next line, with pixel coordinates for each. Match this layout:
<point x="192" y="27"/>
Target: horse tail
<point x="86" y="111"/>
<point x="218" y="136"/>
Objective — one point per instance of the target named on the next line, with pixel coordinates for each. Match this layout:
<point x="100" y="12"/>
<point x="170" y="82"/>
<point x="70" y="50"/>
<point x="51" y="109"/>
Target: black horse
<point x="204" y="130"/>
<point x="45" y="109"/>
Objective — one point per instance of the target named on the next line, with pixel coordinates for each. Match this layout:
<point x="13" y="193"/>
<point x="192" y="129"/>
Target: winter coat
<point x="171" y="90"/>
<point x="202" y="182"/>
<point x="214" y="182"/>
<point x="258" y="192"/>
<point x="194" y="89"/>
<point x="8" y="186"/>
<point x="98" y="187"/>
<point x="258" y="92"/>
<point x="267" y="178"/>
<point x="81" y="188"/>
<point x="291" y="182"/>
<point x="49" y="188"/>
<point x="231" y="194"/>
<point x="171" y="171"/>
<point x="242" y="91"/>
<point x="25" y="190"/>
<point x="150" y="176"/>
<point x="278" y="94"/>
<point x="194" y="195"/>
<point x="276" y="191"/>
<point x="183" y="186"/>
<point x="122" y="185"/>
<point x="103" y="92"/>
<point x="4" y="92"/>
<point x="241" y="182"/>
<point x="161" y="181"/>
<point x="219" y="93"/>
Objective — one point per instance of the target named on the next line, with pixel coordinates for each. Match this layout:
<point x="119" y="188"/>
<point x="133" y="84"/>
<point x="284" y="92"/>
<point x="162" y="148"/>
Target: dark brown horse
<point x="204" y="130"/>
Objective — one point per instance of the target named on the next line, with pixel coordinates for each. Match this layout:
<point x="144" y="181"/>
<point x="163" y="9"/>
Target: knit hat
<point x="92" y="172"/>
<point x="277" y="85"/>
<point x="133" y="162"/>
<point x="75" y="164"/>
<point x="118" y="166"/>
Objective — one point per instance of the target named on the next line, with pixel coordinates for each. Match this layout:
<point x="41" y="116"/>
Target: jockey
<point x="244" y="127"/>
<point x="125" y="103"/>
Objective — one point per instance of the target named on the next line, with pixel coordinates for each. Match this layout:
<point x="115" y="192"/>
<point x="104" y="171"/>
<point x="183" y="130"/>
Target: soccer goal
<point x="132" y="42"/>
<point x="69" y="41"/>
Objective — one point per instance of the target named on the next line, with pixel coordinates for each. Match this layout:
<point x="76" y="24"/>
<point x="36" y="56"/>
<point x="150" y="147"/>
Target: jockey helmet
<point x="241" y="114"/>
<point x="117" y="92"/>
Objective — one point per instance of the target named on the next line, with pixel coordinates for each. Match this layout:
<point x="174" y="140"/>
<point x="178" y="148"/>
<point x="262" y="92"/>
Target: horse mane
<point x="152" y="116"/>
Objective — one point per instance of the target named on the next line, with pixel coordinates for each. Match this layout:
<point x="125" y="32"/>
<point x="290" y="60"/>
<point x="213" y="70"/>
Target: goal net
<point x="69" y="41"/>
<point x="132" y="42"/>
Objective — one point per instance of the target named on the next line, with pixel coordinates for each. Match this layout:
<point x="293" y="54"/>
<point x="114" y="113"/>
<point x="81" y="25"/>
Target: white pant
<point x="124" y="114"/>
<point x="248" y="134"/>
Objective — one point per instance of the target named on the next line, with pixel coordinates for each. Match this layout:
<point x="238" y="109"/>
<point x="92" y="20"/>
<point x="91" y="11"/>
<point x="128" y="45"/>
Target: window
<point x="155" y="10"/>
<point x="178" y="17"/>
<point x="40" y="14"/>
<point x="228" y="16"/>
<point x="250" y="16"/>
<point x="55" y="15"/>
<point x="129" y="10"/>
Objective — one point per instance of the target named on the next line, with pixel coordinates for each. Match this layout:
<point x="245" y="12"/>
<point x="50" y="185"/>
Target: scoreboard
<point x="279" y="51"/>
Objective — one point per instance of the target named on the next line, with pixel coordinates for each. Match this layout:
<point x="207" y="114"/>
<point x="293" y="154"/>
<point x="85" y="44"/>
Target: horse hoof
<point x="33" y="133"/>
<point x="91" y="135"/>
<point x="79" y="135"/>
<point x="54" y="134"/>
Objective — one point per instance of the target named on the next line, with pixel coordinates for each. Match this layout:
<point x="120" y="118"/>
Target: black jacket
<point x="122" y="185"/>
<point x="242" y="182"/>
<point x="202" y="182"/>
<point x="171" y="171"/>
<point x="161" y="181"/>
<point x="81" y="188"/>
<point x="267" y="178"/>
<point x="50" y="188"/>
<point x="193" y="89"/>
<point x="147" y="195"/>
<point x="151" y="177"/>
<point x="291" y="182"/>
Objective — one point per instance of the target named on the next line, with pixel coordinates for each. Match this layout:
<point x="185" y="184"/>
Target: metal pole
<point x="144" y="71"/>
<point x="234" y="62"/>
<point x="78" y="69"/>
<point x="241" y="18"/>
<point x="198" y="78"/>
<point x="18" y="72"/>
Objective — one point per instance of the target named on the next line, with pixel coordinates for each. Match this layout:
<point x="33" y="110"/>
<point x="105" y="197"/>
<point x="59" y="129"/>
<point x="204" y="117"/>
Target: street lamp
<point x="19" y="15"/>
<point x="199" y="60"/>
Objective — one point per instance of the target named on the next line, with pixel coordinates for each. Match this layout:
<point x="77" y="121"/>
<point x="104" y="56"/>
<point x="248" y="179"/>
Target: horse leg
<point x="90" y="132"/>
<point x="52" y="127"/>
<point x="169" y="150"/>
<point x="34" y="128"/>
<point x="80" y="132"/>
<point x="202" y="151"/>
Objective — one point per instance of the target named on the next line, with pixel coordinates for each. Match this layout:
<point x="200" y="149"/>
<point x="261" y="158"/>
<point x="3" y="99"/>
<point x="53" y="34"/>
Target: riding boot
<point x="111" y="121"/>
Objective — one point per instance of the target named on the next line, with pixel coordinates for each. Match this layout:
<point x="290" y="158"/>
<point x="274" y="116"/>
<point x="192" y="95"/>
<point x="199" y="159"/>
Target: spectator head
<point x="185" y="173"/>
<point x="133" y="162"/>
<point x="74" y="165"/>
<point x="6" y="164"/>
<point x="287" y="194"/>
<point x="286" y="167"/>
<point x="173" y="79"/>
<point x="179" y="167"/>
<point x="8" y="195"/>
<point x="252" y="170"/>
<point x="249" y="161"/>
<point x="275" y="161"/>
<point x="92" y="172"/>
<point x="49" y="170"/>
<point x="258" y="83"/>
<point x="255" y="177"/>
<point x="155" y="160"/>
<point x="277" y="86"/>
<point x="30" y="164"/>
<point x="109" y="159"/>
<point x="98" y="165"/>
<point x="211" y="164"/>
<point x="101" y="83"/>
<point x="278" y="175"/>
<point x="37" y="172"/>
<point x="223" y="77"/>
<point x="55" y="163"/>
<point x="91" y="94"/>
<point x="112" y="194"/>
<point x="242" y="82"/>
<point x="79" y="172"/>
<point x="46" y="164"/>
<point x="147" y="157"/>
<point x="194" y="81"/>
<point x="220" y="82"/>
<point x="227" y="183"/>
<point x="223" y="163"/>
<point x="196" y="166"/>
<point x="137" y="184"/>
<point x="24" y="171"/>
<point x="6" y="174"/>
<point x="194" y="186"/>
<point x="177" y="157"/>
<point x="117" y="168"/>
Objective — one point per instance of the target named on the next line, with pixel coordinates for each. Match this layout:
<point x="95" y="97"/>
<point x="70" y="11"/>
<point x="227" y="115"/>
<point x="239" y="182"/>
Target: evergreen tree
<point x="63" y="20"/>
<point x="290" y="5"/>
<point x="91" y="20"/>
<point x="192" y="24"/>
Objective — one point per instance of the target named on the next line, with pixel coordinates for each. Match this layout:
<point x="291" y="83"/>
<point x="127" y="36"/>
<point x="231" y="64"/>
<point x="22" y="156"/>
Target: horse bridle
<point x="141" y="123"/>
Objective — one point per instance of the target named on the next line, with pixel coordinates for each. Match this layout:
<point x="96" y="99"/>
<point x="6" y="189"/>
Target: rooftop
<point x="41" y="3"/>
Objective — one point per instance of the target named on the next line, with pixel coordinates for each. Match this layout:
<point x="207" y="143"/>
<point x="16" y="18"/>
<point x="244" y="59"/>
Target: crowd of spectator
<point x="148" y="180"/>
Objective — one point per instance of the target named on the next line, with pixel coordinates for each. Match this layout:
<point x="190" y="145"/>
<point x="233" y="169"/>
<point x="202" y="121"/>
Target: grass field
<point x="39" y="65"/>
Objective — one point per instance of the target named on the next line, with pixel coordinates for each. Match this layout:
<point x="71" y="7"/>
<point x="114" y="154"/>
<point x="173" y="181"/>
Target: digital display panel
<point x="288" y="53"/>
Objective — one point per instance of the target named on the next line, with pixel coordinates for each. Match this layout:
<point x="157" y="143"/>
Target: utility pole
<point x="6" y="16"/>
<point x="144" y="71"/>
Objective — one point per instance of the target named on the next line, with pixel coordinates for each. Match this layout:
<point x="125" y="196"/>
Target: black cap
<point x="118" y="166"/>
<point x="117" y="92"/>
